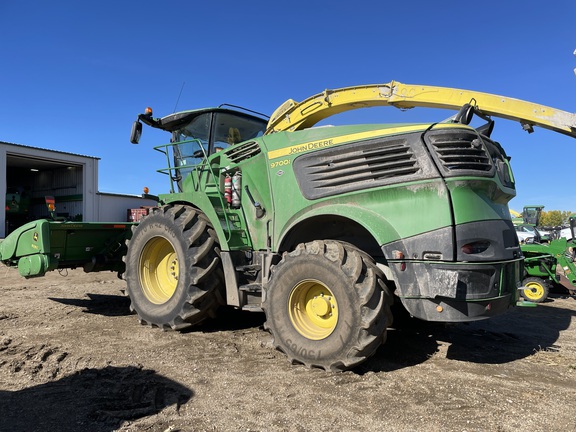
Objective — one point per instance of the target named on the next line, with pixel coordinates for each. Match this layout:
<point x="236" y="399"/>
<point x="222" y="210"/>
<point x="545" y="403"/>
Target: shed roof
<point x="49" y="150"/>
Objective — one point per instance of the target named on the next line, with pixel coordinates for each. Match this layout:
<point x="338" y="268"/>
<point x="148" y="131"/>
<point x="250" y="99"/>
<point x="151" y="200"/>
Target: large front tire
<point x="173" y="271"/>
<point x="327" y="305"/>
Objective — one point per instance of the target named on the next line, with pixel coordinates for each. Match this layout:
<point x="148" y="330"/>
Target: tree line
<point x="554" y="218"/>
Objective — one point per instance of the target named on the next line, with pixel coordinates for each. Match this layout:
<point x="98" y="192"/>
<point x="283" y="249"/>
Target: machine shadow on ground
<point x="99" y="304"/>
<point x="92" y="400"/>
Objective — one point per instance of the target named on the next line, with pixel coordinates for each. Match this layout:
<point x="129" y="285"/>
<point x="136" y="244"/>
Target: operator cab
<point x="200" y="133"/>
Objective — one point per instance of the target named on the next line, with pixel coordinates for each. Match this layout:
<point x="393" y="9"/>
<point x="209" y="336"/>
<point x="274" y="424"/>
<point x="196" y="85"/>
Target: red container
<point x="134" y="215"/>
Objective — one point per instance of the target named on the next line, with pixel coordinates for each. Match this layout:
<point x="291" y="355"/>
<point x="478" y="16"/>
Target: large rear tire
<point x="173" y="271"/>
<point x="327" y="305"/>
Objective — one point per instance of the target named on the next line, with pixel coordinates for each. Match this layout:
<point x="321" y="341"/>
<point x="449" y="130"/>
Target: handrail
<point x="195" y="169"/>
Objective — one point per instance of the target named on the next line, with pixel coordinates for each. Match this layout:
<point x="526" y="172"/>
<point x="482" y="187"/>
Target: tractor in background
<point x="549" y="263"/>
<point x="17" y="207"/>
<point x="526" y="225"/>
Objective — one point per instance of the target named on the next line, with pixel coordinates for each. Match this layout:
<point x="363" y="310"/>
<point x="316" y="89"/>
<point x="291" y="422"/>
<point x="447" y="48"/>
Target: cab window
<point x="231" y="129"/>
<point x="194" y="142"/>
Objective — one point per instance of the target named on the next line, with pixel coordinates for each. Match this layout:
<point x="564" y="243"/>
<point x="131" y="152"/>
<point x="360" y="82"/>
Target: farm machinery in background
<point x="548" y="259"/>
<point x="526" y="225"/>
<point x="17" y="207"/>
<point x="322" y="228"/>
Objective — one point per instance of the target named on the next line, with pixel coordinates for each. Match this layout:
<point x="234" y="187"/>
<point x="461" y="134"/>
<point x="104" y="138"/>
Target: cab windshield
<point x="211" y="132"/>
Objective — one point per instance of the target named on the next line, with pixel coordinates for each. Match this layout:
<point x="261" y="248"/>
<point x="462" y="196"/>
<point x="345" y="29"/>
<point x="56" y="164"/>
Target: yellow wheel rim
<point x="158" y="270"/>
<point x="313" y="309"/>
<point x="534" y="291"/>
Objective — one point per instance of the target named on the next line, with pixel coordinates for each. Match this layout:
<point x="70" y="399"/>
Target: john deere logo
<point x="35" y="236"/>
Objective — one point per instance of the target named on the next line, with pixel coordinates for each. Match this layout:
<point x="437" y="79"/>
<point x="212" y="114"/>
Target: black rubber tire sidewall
<point x="339" y="350"/>
<point x="150" y="228"/>
<point x="542" y="283"/>
<point x="292" y="339"/>
<point x="190" y="303"/>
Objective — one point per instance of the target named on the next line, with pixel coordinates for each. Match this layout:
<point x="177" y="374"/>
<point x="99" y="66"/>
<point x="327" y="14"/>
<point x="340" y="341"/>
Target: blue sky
<point x="75" y="75"/>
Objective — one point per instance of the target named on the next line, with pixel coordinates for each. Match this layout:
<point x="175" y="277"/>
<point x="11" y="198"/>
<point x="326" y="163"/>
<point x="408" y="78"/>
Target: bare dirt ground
<point x="72" y="358"/>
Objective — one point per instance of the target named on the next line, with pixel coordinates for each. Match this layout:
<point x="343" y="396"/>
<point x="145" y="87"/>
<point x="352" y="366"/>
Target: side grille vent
<point x="460" y="152"/>
<point x="355" y="167"/>
<point x="244" y="151"/>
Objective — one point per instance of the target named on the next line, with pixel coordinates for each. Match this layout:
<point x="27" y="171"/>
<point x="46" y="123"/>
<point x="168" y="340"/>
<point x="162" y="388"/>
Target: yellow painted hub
<point x="313" y="309"/>
<point x="534" y="291"/>
<point x="158" y="270"/>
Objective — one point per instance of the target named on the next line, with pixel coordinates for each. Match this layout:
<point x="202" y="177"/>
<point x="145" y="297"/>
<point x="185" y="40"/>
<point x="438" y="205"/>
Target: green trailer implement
<point x="44" y="245"/>
<point x="322" y="228"/>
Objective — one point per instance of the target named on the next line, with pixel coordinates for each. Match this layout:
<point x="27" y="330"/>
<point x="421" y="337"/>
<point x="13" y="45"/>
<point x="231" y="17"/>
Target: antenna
<point x="179" y="94"/>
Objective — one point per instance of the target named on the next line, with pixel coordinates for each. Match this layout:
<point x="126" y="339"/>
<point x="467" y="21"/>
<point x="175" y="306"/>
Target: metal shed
<point x="29" y="174"/>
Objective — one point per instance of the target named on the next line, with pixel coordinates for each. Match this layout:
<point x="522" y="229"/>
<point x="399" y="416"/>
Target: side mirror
<point x="136" y="132"/>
